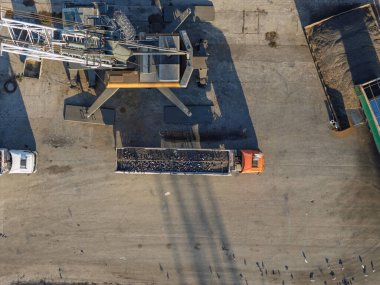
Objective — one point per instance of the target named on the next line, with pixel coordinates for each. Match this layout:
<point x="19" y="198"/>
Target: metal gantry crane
<point x="75" y="43"/>
<point x="95" y="37"/>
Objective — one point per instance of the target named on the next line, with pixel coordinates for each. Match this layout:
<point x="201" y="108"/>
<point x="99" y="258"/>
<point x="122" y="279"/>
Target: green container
<point x="369" y="115"/>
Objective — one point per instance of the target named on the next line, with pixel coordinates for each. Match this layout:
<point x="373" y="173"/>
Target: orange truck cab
<point x="252" y="161"/>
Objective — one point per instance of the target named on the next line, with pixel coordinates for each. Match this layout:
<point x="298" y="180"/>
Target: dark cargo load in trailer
<point x="188" y="161"/>
<point x="173" y="161"/>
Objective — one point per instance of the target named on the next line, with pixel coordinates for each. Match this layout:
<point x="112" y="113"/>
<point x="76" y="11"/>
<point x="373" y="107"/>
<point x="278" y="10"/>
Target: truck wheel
<point x="10" y="86"/>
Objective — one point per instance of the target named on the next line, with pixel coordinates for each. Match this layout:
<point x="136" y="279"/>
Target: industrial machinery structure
<point x="101" y="38"/>
<point x="17" y="161"/>
<point x="98" y="37"/>
<point x="188" y="161"/>
<point x="369" y="96"/>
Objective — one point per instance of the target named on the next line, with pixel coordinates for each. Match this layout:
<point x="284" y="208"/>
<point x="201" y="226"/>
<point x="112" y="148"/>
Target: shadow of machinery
<point x="15" y="128"/>
<point x="196" y="204"/>
<point x="206" y="238"/>
<point x="232" y="126"/>
<point x="141" y="112"/>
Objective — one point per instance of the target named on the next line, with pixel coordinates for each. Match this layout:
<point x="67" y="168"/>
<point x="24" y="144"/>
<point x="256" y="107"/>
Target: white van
<point x="17" y="161"/>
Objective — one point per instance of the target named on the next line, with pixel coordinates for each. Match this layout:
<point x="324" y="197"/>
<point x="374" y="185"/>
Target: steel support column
<point x="102" y="98"/>
<point x="174" y="99"/>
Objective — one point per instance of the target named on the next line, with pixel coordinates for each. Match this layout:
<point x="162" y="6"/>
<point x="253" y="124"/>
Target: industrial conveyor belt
<point x="173" y="161"/>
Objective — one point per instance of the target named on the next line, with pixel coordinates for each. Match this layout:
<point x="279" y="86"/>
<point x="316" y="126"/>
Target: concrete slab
<point x="101" y="116"/>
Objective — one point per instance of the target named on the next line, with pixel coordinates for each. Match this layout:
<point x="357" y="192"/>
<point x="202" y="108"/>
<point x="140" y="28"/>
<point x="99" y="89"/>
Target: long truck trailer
<point x="345" y="49"/>
<point x="369" y="96"/>
<point x="132" y="160"/>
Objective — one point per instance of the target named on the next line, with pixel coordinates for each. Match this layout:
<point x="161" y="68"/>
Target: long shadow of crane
<point x="196" y="204"/>
<point x="206" y="238"/>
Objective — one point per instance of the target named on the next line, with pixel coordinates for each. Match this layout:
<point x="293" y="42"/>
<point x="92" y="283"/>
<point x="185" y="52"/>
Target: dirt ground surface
<point x="346" y="49"/>
<point x="77" y="222"/>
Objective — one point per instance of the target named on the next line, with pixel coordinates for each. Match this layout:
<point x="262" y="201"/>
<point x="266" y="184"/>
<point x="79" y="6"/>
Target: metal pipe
<point x="160" y="53"/>
<point x="138" y="45"/>
<point x="143" y="85"/>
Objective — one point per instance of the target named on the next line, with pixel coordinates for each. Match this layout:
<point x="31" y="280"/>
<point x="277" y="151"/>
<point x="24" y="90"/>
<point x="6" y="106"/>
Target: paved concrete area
<point x="77" y="221"/>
